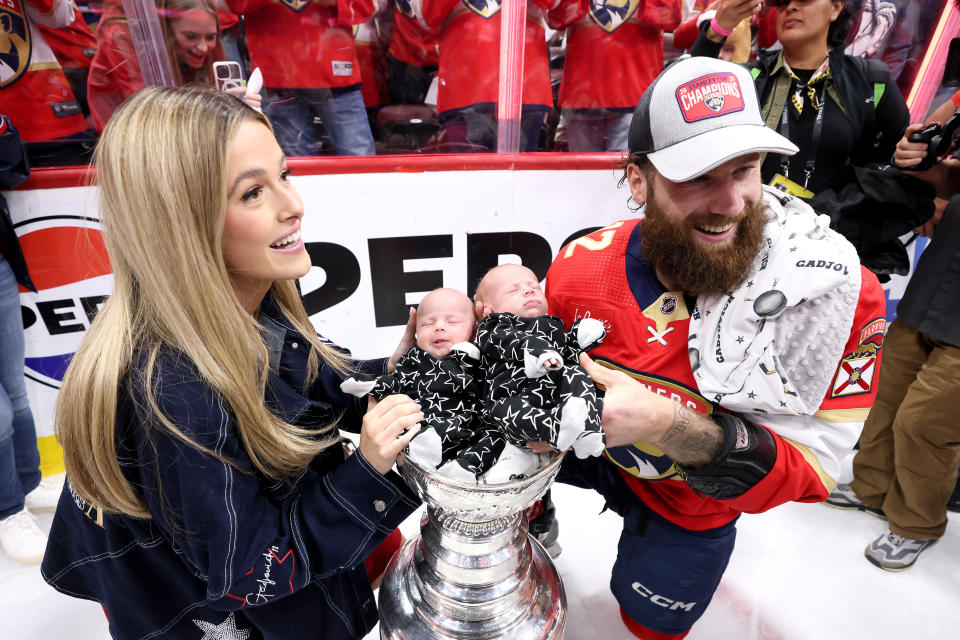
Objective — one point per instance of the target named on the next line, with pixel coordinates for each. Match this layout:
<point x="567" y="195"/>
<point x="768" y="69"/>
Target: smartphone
<point x="227" y="75"/>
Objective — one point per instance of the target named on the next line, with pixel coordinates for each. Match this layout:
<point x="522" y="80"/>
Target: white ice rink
<point x="797" y="573"/>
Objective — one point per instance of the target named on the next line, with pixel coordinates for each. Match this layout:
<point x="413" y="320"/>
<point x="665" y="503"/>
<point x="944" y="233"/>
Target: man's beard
<point x="697" y="267"/>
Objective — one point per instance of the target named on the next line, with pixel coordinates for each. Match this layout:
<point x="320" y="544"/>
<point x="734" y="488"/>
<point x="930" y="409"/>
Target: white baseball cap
<point x="697" y="114"/>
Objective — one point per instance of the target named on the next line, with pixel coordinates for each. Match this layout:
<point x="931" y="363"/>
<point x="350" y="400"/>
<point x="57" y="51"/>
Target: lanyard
<point x="814" y="140"/>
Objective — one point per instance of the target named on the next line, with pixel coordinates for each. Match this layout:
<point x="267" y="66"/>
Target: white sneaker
<point x="45" y="497"/>
<point x="22" y="539"/>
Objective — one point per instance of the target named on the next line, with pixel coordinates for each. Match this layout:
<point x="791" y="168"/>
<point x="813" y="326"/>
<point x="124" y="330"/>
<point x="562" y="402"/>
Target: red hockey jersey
<point x="303" y="44"/>
<point x="470" y="51"/>
<point x="603" y="275"/>
<point x="73" y="45"/>
<point x="409" y="41"/>
<point x="614" y="49"/>
<point x="34" y="93"/>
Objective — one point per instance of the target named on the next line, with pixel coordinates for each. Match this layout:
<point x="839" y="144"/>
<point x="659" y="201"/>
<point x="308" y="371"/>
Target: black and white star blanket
<point x="560" y="406"/>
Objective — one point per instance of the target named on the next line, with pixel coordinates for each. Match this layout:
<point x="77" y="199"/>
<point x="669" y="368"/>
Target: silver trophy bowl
<point x="474" y="572"/>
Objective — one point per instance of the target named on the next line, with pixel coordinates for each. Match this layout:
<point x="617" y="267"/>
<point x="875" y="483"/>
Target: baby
<point x="441" y="373"/>
<point x="534" y="389"/>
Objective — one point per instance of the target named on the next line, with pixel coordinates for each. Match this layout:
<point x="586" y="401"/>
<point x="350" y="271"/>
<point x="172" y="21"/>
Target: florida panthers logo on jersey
<point x="483" y="8"/>
<point x="405" y="7"/>
<point x="296" y="5"/>
<point x="14" y="42"/>
<point x="642" y="460"/>
<point x="610" y="14"/>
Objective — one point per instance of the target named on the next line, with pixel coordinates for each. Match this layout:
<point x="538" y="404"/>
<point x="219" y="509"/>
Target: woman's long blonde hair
<point x="162" y="174"/>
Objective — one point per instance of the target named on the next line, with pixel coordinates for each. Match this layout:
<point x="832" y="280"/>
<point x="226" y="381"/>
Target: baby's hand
<point x="551" y="364"/>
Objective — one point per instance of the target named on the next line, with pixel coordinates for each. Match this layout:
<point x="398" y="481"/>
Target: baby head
<point x="510" y="288"/>
<point x="444" y="318"/>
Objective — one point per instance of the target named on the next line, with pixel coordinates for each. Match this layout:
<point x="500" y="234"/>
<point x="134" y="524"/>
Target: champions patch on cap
<point x="708" y="96"/>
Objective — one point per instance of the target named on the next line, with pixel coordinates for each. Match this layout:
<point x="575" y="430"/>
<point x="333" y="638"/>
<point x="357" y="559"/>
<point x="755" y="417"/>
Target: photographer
<point x="907" y="465"/>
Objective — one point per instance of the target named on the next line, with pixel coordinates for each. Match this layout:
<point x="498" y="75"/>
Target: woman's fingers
<point x="382" y="435"/>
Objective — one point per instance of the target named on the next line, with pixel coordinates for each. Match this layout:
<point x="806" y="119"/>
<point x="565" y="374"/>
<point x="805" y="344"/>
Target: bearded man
<point x="743" y="341"/>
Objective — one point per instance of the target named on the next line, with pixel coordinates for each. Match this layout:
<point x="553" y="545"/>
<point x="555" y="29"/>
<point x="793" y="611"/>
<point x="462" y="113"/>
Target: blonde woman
<point x="208" y="491"/>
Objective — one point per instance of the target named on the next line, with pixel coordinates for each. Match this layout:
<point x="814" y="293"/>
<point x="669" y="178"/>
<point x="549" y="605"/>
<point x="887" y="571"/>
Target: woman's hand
<point x="255" y="100"/>
<point x="380" y="434"/>
<point x="407" y="342"/>
<point x="731" y="12"/>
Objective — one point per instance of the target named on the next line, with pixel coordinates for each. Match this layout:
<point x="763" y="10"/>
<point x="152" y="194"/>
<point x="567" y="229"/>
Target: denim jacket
<point x="228" y="553"/>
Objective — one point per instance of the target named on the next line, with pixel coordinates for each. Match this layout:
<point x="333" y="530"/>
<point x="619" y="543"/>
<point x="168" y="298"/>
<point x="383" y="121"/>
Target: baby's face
<point x="444" y="318"/>
<point x="511" y="288"/>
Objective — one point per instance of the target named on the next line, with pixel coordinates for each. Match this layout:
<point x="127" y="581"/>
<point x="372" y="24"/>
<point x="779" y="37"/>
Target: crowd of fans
<point x="359" y="77"/>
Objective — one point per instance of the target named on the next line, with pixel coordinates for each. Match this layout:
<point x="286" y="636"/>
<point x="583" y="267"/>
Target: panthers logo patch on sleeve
<point x="857" y="369"/>
<point x="483" y="8"/>
<point x="15" y="45"/>
<point x="610" y="14"/>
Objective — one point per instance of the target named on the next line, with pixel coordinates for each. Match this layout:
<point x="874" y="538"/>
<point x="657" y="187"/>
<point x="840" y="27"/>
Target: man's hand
<point x="926" y="229"/>
<point x="407" y="342"/>
<point x="908" y="154"/>
<point x="631" y="413"/>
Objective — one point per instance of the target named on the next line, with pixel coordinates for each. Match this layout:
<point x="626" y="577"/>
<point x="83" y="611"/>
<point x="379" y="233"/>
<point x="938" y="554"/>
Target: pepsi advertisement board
<point x="378" y="243"/>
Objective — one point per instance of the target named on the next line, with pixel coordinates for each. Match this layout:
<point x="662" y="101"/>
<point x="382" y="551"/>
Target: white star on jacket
<point x="226" y="630"/>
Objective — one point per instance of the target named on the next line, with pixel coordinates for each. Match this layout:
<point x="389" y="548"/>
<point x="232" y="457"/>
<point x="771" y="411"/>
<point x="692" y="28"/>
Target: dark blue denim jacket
<point x="226" y="549"/>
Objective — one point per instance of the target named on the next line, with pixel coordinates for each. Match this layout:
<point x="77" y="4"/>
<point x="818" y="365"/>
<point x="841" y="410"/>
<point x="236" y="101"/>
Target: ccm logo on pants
<point x="660" y="601"/>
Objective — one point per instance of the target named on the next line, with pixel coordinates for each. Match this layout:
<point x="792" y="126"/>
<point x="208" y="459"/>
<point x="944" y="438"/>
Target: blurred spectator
<point x="306" y="51"/>
<point x="191" y="35"/>
<point x="906" y="469"/>
<point x="614" y="51"/>
<point x="22" y="492"/>
<point x="470" y="71"/>
<point x="861" y="112"/>
<point x="34" y="93"/>
<point x="412" y="56"/>
<point x="371" y="53"/>
<point x="231" y="39"/>
<point x="74" y="47"/>
<point x="762" y="32"/>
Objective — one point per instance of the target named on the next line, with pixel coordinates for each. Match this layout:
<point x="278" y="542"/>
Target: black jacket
<point x="931" y="302"/>
<point x="14" y="169"/>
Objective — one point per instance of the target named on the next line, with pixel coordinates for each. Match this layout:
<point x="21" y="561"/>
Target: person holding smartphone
<point x="191" y="34"/>
<point x="209" y="492"/>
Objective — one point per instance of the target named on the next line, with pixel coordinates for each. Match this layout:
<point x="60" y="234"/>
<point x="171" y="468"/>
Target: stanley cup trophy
<point x="473" y="572"/>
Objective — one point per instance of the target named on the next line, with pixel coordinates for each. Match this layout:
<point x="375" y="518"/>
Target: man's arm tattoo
<point x="691" y="439"/>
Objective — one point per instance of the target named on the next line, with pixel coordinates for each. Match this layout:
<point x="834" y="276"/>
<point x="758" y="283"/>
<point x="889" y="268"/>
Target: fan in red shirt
<point x="614" y="50"/>
<point x="470" y="70"/>
<point x="34" y="93"/>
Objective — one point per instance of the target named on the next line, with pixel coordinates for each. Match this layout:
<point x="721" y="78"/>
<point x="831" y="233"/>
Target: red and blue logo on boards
<point x="69" y="265"/>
